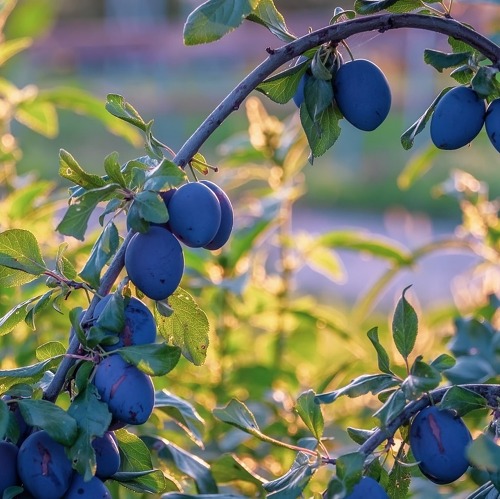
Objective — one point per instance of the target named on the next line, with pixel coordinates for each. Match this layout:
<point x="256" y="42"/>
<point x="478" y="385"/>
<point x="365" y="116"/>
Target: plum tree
<point x="43" y="466"/>
<point x="195" y="214"/>
<point x="367" y="487"/>
<point x="492" y="123"/>
<point x="8" y="460"/>
<point x="438" y="440"/>
<point x="155" y="263"/>
<point x="128" y="392"/>
<point x="457" y="119"/>
<point x="362" y="94"/>
<point x="93" y="488"/>
<point x="140" y="326"/>
<point x="107" y="455"/>
<point x="226" y="217"/>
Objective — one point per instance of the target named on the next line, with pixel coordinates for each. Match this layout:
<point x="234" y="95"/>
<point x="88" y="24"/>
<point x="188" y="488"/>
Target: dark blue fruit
<point x="492" y="123"/>
<point x="298" y="96"/>
<point x="438" y="440"/>
<point x="94" y="488"/>
<point x="128" y="392"/>
<point x="107" y="455"/>
<point x="362" y="94"/>
<point x="367" y="488"/>
<point x="457" y="118"/>
<point x="43" y="466"/>
<point x="195" y="214"/>
<point x="140" y="326"/>
<point x="155" y="263"/>
<point x="226" y="217"/>
<point x="8" y="463"/>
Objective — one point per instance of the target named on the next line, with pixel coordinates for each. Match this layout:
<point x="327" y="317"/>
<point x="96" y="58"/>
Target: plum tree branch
<point x="333" y="34"/>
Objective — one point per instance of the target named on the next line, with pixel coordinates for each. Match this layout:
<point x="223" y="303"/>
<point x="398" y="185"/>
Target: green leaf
<point x="137" y="458"/>
<point x="50" y="350"/>
<point x="474" y="369"/>
<point x="463" y="74"/>
<point x="119" y="107"/>
<point x="151" y="207"/>
<point x="318" y="96"/>
<point x="291" y="485"/>
<point x="182" y="413"/>
<point x="19" y="251"/>
<point x="443" y="362"/>
<point x="11" y="492"/>
<point x="323" y="132"/>
<point x="175" y="495"/>
<point x="27" y="374"/>
<point x="392" y="407"/>
<point x="281" y="87"/>
<point x="103" y="250"/>
<point x="462" y="401"/>
<point x="409" y="135"/>
<point x="189" y="464"/>
<point x="9" y="48"/>
<point x="404" y="326"/>
<point x="484" y="81"/>
<point x="372" y="6"/>
<point x="441" y="60"/>
<point x="63" y="265"/>
<point x="4" y="419"/>
<point x="366" y="383"/>
<point x="113" y="169"/>
<point x="110" y="323"/>
<point x="93" y="419"/>
<point x="340" y="14"/>
<point x="372" y="244"/>
<point x="483" y="453"/>
<point x="399" y="477"/>
<point x="214" y="19"/>
<point x="187" y="327"/>
<point x="155" y="359"/>
<point x="417" y="166"/>
<point x="14" y="316"/>
<point x="228" y="468"/>
<point x="310" y="412"/>
<point x="422" y="378"/>
<point x="236" y="413"/>
<point x="350" y="468"/>
<point x="39" y="116"/>
<point x="360" y="436"/>
<point x="382" y="356"/>
<point x="402" y="6"/>
<point x="71" y="170"/>
<point x="267" y="15"/>
<point x="75" y="220"/>
<point x="166" y="175"/>
<point x="50" y="417"/>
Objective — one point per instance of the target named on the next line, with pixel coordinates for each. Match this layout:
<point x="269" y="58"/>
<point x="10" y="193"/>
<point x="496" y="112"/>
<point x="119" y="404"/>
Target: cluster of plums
<point x="460" y="115"/>
<point x="360" y="91"/>
<point x="40" y="465"/>
<point x="200" y="216"/>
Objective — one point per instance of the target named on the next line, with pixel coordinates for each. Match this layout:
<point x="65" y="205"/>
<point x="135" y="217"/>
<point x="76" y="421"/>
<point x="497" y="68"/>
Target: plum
<point x="8" y="460"/>
<point x="107" y="455"/>
<point x="362" y="94"/>
<point x="43" y="466"/>
<point x="226" y="217"/>
<point x="15" y="413"/>
<point x="298" y="96"/>
<point x="195" y="214"/>
<point x="155" y="263"/>
<point x="94" y="488"/>
<point x="492" y="123"/>
<point x="438" y="440"/>
<point x="128" y="392"/>
<point x="367" y="487"/>
<point x="140" y="326"/>
<point x="458" y="117"/>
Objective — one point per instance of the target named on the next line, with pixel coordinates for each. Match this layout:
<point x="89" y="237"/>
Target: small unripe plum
<point x="457" y="118"/>
<point x="94" y="488"/>
<point x="8" y="462"/>
<point x="195" y="214"/>
<point x="226" y="217"/>
<point x="362" y="94"/>
<point x="43" y="466"/>
<point x="438" y="440"/>
<point x="128" y="391"/>
<point x="155" y="263"/>
<point x="107" y="455"/>
<point x="367" y="487"/>
<point x="492" y="123"/>
<point x="140" y="326"/>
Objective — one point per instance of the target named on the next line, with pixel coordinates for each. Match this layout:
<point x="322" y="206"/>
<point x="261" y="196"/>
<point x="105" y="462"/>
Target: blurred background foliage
<point x="319" y="254"/>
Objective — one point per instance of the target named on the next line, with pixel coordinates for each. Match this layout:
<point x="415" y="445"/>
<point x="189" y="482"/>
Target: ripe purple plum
<point x="492" y="123"/>
<point x="43" y="466"/>
<point x="438" y="440"/>
<point x="94" y="488"/>
<point x="362" y="94"/>
<point x="107" y="455"/>
<point x="226" y="217"/>
<point x="128" y="392"/>
<point x="8" y="459"/>
<point x="457" y="119"/>
<point x="367" y="487"/>
<point x="140" y="326"/>
<point x="195" y="214"/>
<point x="155" y="263"/>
